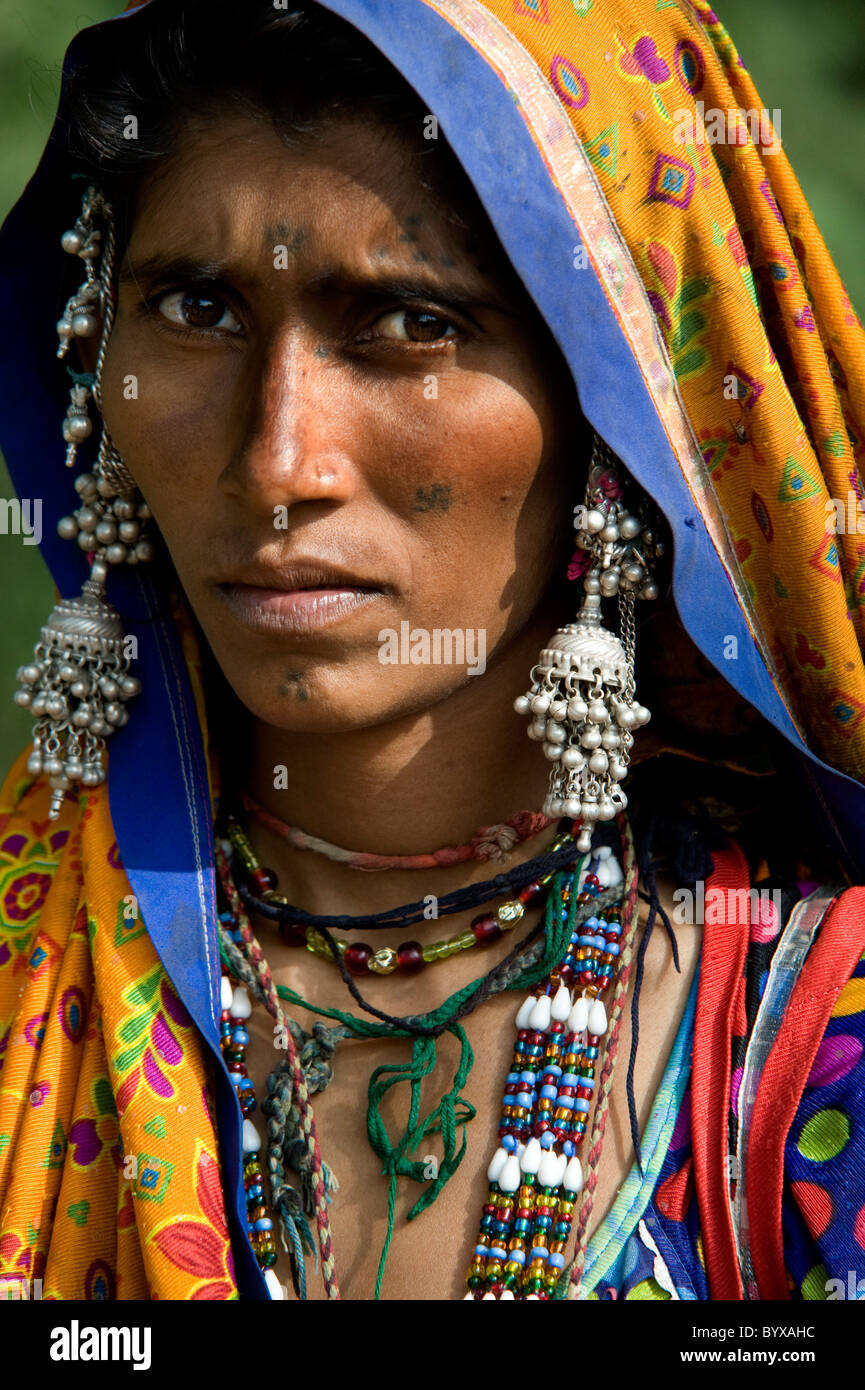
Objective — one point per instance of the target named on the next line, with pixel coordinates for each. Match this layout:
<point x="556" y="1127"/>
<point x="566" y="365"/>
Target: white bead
<point x="488" y="1296"/>
<point x="251" y="1140"/>
<point x="578" y="1018"/>
<point x="615" y="871"/>
<point x="226" y="992"/>
<point x="573" y="1179"/>
<point x="510" y="1177"/>
<point x="507" y="1294"/>
<point x="274" y="1287"/>
<point x="469" y="1298"/>
<point x="524" y="1011"/>
<point x="561" y="1005"/>
<point x="240" y="1005"/>
<point x="548" y="1172"/>
<point x="497" y="1163"/>
<point x="604" y="852"/>
<point x="597" y="1019"/>
<point x="539" y="1018"/>
<point x="530" y="1159"/>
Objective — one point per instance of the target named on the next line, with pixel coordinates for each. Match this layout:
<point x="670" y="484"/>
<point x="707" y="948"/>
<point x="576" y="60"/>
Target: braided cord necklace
<point x="561" y="954"/>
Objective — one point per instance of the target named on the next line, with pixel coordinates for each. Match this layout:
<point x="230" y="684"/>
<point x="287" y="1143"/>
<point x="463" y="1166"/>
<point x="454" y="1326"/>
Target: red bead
<point x="592" y="878"/>
<point x="292" y="933"/>
<point x="587" y="977"/>
<point x="409" y="958"/>
<point x="356" y="957"/>
<point x="485" y="928"/>
<point x="531" y="893"/>
<point x="263" y="880"/>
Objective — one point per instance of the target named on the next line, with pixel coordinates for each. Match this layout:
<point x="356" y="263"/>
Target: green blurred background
<point x="806" y="59"/>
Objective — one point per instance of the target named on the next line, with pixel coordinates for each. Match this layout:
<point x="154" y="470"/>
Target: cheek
<point x="165" y="423"/>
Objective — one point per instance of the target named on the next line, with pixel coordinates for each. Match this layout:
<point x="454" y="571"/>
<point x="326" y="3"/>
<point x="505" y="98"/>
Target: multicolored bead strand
<point x="535" y="1174"/>
<point x="236" y="1009"/>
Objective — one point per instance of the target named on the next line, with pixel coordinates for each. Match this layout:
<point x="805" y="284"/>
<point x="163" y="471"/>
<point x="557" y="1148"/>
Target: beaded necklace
<point x="540" y="1127"/>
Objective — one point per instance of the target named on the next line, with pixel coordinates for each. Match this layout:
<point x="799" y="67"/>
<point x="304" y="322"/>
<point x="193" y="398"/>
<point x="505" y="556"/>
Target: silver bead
<point x="111" y="711"/>
<point x="629" y="527"/>
<point x="106" y="532"/>
<point x="99" y="571"/>
<point x="577" y="709"/>
<point x="610" y="533"/>
<point x="552" y="751"/>
<point x="572" y="807"/>
<point x="87" y="519"/>
<point x="609" y="584"/>
<point x="80" y="689"/>
<point x="77" y="428"/>
<point x="105" y="487"/>
<point x="522" y="704"/>
<point x="594" y="521"/>
<point x="29" y="674"/>
<point x="591" y="583"/>
<point x="130" y="685"/>
<point x="85" y="482"/>
<point x="143" y="511"/>
<point x="123" y="508"/>
<point x="144" y="551"/>
<point x="86" y="541"/>
<point x="558" y="709"/>
<point x="598" y="712"/>
<point x="38" y="704"/>
<point x="91" y="777"/>
<point x="573" y="759"/>
<point x="555" y="732"/>
<point x="84" y="325"/>
<point x="538" y="730"/>
<point x="108" y="687"/>
<point x="67" y="528"/>
<point x="649" y="591"/>
<point x="541" y="703"/>
<point x="591" y="738"/>
<point x="129" y="531"/>
<point x="598" y="762"/>
<point x="71" y="242"/>
<point x="22" y="698"/>
<point x="52" y="765"/>
<point x="633" y="573"/>
<point x="610" y="738"/>
<point x="116" y="554"/>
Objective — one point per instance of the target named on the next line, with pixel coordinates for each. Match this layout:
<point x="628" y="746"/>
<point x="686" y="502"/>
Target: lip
<point x="300" y="610"/>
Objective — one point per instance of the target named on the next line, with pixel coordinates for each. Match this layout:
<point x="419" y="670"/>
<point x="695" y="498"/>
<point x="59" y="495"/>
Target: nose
<point x="292" y="428"/>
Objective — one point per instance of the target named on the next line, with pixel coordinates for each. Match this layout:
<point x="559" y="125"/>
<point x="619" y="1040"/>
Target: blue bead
<point x="539" y="1252"/>
<point x="557" y="1261"/>
<point x="577" y="1103"/>
<point x="265" y="1224"/>
<point x="509" y="1142"/>
<point x="523" y="1099"/>
<point x="553" y="1069"/>
<point x="529" y="1076"/>
<point x="569" y="1148"/>
<point x="567" y="1102"/>
<point x="236" y="1078"/>
<point x="498" y="1253"/>
<point x="512" y="1077"/>
<point x="518" y="1256"/>
<point x="612" y="948"/>
<point x="547" y="1139"/>
<point x="548" y="1092"/>
<point x="482" y="1250"/>
<point x="570" y="1078"/>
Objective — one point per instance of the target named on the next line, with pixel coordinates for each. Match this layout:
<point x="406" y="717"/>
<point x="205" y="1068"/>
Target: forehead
<point x="234" y="179"/>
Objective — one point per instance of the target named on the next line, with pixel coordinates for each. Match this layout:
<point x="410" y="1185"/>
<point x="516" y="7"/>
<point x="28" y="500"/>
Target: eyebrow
<point x="194" y="269"/>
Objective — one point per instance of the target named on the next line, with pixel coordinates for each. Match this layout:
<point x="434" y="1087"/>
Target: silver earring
<point x="582" y="697"/>
<point x="78" y="682"/>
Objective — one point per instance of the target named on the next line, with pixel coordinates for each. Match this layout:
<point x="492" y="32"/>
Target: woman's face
<point x="320" y="382"/>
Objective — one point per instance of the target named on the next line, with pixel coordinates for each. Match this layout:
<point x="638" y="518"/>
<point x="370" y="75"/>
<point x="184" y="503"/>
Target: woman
<point x="344" y="266"/>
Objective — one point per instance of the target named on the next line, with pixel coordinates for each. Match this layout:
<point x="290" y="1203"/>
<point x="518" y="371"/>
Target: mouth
<point x="300" y="598"/>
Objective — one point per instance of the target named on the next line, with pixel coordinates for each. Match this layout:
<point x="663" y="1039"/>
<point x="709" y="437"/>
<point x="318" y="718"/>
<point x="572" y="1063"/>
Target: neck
<point x="415" y="784"/>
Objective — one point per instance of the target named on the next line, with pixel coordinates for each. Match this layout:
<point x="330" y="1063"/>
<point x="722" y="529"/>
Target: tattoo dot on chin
<point x="436" y="498"/>
<point x="294" y="684"/>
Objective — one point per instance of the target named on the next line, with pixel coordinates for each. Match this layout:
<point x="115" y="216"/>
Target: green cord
<point x="453" y="1110"/>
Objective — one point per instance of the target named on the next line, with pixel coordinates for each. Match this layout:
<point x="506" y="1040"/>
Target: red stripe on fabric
<point x="725" y="944"/>
<point x="831" y="961"/>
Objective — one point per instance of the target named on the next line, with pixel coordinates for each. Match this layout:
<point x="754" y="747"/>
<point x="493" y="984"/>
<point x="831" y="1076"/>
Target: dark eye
<point x="198" y="309"/>
<point x="417" y="325"/>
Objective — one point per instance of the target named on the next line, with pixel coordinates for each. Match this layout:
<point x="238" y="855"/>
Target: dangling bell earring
<point x="582" y="697"/>
<point x="79" y="681"/>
